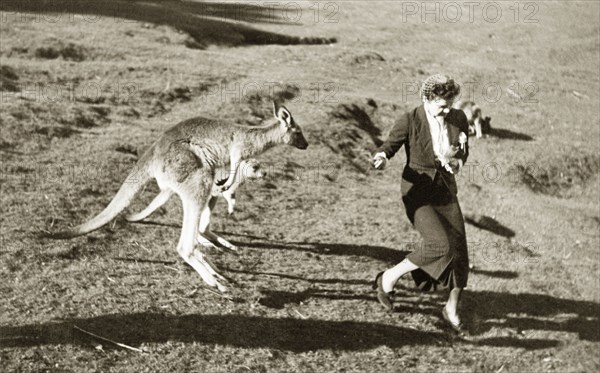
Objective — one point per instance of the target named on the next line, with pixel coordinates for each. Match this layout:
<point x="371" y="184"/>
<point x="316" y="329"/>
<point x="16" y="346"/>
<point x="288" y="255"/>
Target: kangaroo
<point x="248" y="169"/>
<point x="478" y="125"/>
<point x="184" y="159"/>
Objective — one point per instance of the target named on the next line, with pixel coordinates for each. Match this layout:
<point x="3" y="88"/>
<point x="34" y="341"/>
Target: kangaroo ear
<point x="283" y="115"/>
<point x="275" y="108"/>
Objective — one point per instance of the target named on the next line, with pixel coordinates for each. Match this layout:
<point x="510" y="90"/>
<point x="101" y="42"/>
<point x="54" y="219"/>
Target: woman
<point x="434" y="137"/>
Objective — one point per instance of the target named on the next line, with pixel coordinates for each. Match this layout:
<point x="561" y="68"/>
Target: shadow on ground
<point x="532" y="311"/>
<point x="207" y="23"/>
<point x="381" y="253"/>
<point x="299" y="278"/>
<point x="509" y="135"/>
<point x="489" y="224"/>
<point x="496" y="274"/>
<point x="289" y="334"/>
<point x="492" y="309"/>
<point x="279" y="299"/>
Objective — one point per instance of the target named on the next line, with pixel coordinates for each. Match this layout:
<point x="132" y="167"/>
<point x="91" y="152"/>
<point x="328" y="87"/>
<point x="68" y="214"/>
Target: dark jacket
<point x="412" y="131"/>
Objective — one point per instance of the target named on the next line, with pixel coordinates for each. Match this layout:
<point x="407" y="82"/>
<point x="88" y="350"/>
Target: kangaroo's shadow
<point x="508" y="134"/>
<point x="207" y="22"/>
<point x="381" y="253"/>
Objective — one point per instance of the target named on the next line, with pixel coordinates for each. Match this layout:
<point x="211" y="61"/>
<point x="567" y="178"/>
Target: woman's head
<point x="439" y="91"/>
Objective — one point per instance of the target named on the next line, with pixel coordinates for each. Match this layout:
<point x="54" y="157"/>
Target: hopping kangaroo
<point x="184" y="160"/>
<point x="478" y="125"/>
<point x="247" y="169"/>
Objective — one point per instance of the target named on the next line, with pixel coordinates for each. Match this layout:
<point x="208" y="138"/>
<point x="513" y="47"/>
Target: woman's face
<point x="437" y="105"/>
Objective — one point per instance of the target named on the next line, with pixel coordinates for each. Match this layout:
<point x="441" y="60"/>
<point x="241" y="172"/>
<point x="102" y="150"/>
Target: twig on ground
<point x="229" y="298"/>
<point x="142" y="246"/>
<point x="301" y="315"/>
<point x="140" y="260"/>
<point x="108" y="340"/>
<point x="173" y="268"/>
<point x="580" y="95"/>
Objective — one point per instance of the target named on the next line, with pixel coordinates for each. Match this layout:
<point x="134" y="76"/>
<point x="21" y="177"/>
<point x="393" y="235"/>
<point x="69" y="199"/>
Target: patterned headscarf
<point x="440" y="85"/>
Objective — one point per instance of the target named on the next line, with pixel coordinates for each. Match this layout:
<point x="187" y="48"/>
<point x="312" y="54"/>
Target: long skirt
<point x="442" y="257"/>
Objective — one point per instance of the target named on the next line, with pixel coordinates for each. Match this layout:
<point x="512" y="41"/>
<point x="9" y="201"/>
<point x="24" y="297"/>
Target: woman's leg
<point x="392" y="275"/>
<point x="452" y="305"/>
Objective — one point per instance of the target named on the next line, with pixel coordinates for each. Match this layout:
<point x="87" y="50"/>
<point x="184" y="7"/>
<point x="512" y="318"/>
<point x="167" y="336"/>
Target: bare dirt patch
<point x="561" y="174"/>
<point x="8" y="79"/>
<point x="53" y="48"/>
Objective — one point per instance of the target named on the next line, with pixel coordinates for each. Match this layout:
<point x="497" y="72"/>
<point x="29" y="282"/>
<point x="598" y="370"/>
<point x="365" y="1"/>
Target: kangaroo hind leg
<point x="194" y="193"/>
<point x="205" y="222"/>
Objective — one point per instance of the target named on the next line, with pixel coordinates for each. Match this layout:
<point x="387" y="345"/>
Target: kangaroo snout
<point x="301" y="143"/>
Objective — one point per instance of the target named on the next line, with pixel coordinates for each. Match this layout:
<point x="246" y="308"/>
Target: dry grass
<point x="317" y="230"/>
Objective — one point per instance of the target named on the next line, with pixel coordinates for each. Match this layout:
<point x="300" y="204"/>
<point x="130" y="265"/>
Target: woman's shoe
<point x="458" y="327"/>
<point x="385" y="298"/>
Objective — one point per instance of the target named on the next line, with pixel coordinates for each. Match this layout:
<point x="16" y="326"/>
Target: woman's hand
<point x="380" y="161"/>
<point x="455" y="164"/>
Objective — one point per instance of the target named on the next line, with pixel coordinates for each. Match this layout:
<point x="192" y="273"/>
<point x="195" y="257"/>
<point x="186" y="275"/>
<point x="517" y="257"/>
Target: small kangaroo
<point x="248" y="169"/>
<point x="184" y="159"/>
<point x="251" y="170"/>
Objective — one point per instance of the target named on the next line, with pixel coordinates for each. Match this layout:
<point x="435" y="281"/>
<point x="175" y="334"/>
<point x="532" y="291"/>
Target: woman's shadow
<point x="528" y="311"/>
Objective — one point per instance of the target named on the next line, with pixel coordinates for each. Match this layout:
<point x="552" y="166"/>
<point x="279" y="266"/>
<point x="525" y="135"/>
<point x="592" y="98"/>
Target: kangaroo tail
<point x="136" y="179"/>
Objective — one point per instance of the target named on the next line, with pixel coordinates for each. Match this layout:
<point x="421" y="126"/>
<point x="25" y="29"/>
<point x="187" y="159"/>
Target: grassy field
<point x="87" y="86"/>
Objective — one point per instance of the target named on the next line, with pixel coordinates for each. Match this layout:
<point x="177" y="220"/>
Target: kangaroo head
<point x="250" y="169"/>
<point x="293" y="133"/>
